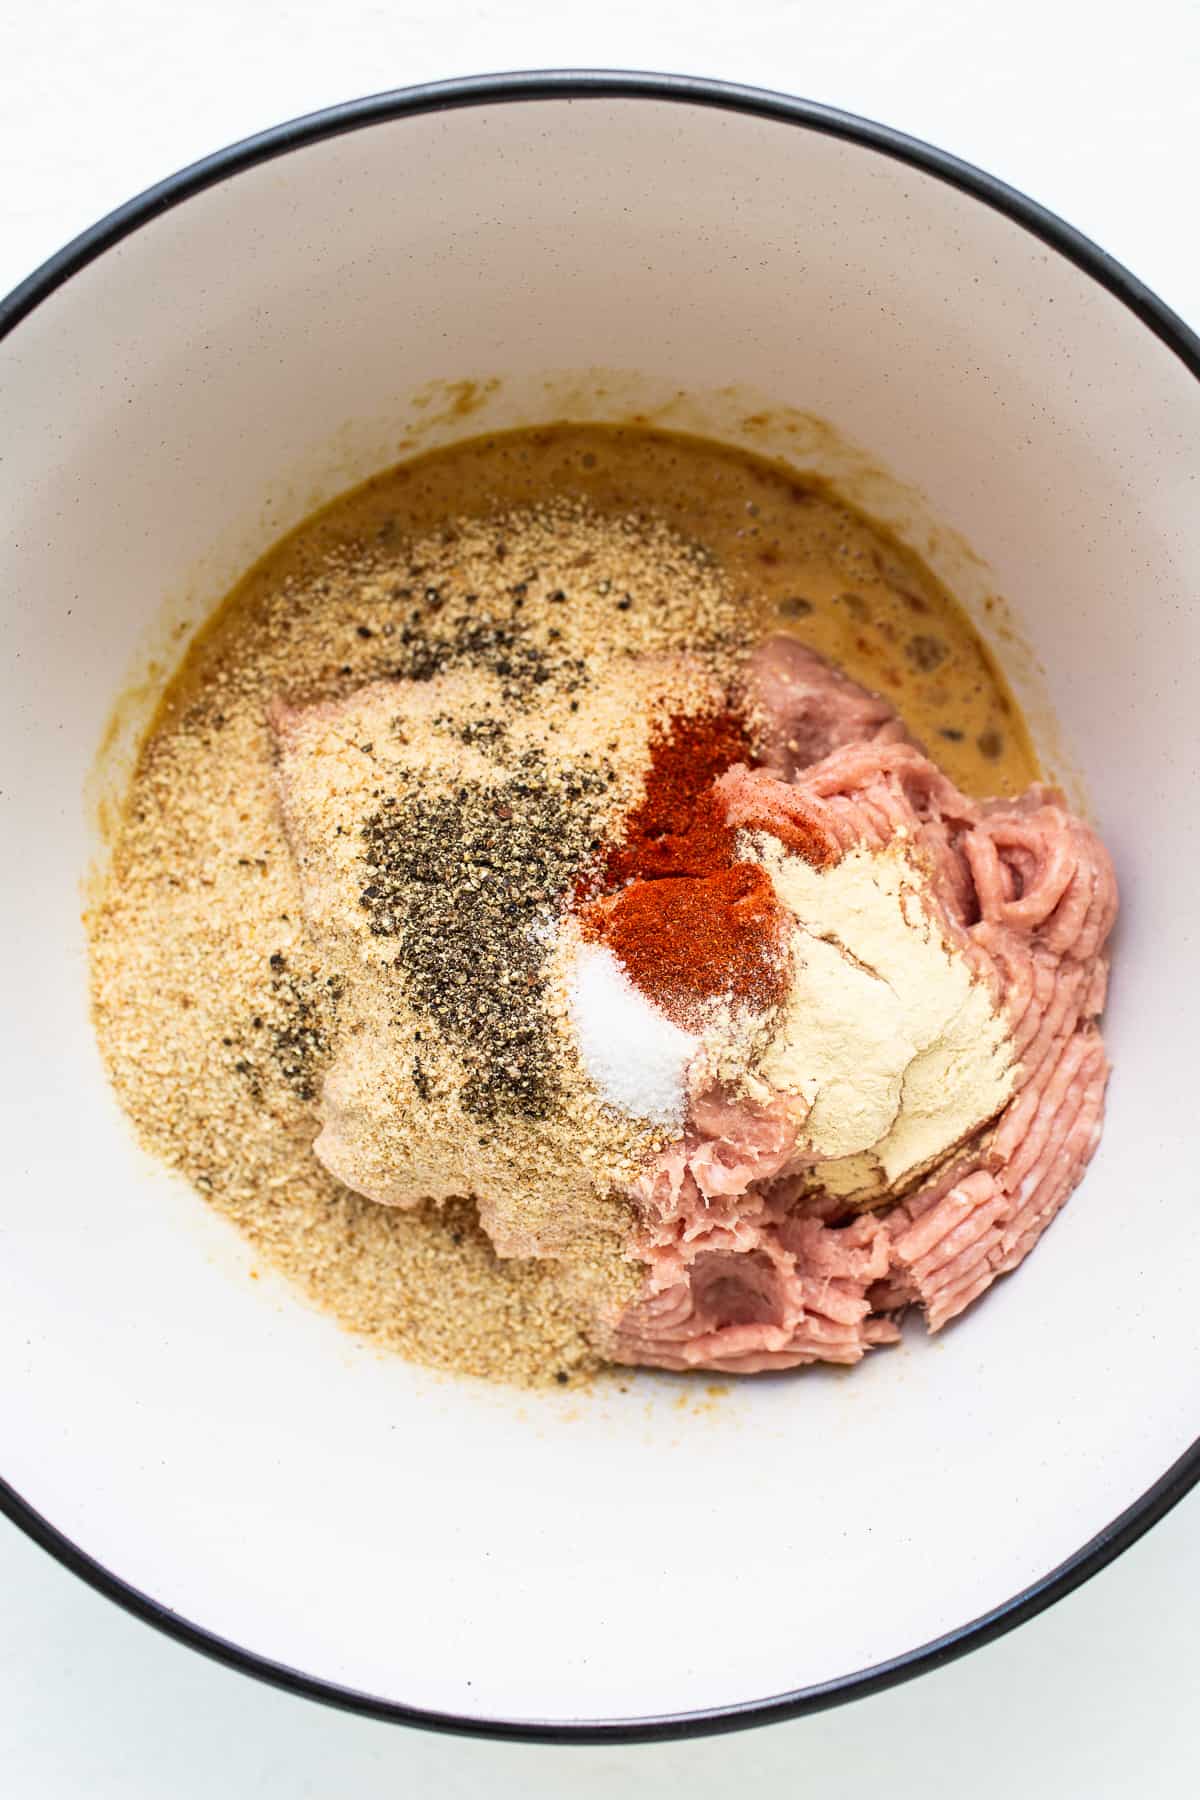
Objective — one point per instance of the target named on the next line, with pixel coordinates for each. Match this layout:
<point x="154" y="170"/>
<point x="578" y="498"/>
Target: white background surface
<point x="1096" y="117"/>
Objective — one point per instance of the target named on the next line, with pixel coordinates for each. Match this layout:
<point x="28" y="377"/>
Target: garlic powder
<point x="887" y="1038"/>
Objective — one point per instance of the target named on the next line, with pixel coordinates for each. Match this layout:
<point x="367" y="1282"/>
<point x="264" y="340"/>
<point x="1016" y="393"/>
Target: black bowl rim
<point x="580" y="84"/>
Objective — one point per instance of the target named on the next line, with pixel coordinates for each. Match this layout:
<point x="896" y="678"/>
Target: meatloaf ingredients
<point x="515" y="570"/>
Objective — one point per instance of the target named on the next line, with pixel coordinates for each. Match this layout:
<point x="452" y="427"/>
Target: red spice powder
<point x="679" y="828"/>
<point x="690" y="922"/>
<point x="691" y="938"/>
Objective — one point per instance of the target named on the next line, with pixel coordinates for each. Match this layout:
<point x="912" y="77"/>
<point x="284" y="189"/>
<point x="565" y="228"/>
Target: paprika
<point x="691" y="922"/>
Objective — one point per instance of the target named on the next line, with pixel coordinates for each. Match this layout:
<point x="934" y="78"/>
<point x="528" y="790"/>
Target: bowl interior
<point x="654" y="1548"/>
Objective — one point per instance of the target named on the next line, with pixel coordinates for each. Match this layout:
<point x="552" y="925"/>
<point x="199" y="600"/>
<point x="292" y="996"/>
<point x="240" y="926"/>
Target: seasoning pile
<point x="689" y="919"/>
<point x="438" y="878"/>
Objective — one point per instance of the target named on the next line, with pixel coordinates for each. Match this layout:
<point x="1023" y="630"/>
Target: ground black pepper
<point x="505" y="648"/>
<point x="462" y="881"/>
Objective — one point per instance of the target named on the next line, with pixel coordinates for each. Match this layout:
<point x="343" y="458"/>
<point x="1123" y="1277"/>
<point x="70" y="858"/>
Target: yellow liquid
<point x="801" y="560"/>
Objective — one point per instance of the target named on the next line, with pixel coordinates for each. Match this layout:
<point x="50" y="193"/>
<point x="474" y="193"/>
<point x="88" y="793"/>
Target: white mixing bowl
<point x="185" y="382"/>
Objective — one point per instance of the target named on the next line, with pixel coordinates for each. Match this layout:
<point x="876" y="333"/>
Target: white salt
<point x="636" y="1056"/>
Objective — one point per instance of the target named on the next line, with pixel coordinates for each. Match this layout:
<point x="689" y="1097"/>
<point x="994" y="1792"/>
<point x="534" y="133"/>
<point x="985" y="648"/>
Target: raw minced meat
<point x="752" y="1263"/>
